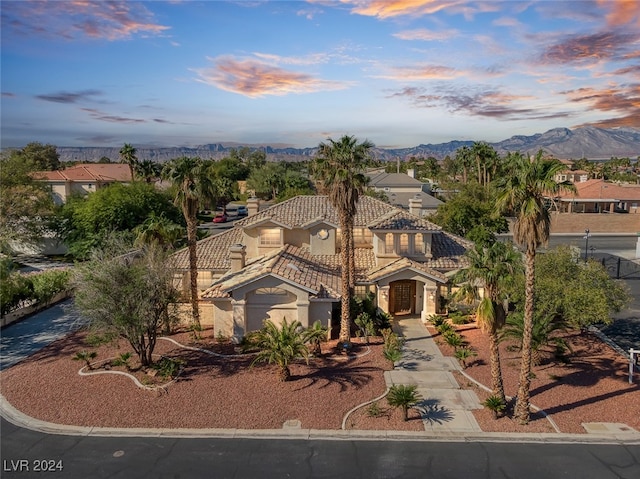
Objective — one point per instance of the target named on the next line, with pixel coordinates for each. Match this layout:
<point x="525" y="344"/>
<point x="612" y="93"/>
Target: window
<point x="361" y="291"/>
<point x="362" y="236"/>
<point x="404" y="243"/>
<point x="270" y="237"/>
<point x="419" y="243"/>
<point x="388" y="243"/>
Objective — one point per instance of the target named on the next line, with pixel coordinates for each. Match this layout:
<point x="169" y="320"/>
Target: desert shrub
<point x="464" y="354"/>
<point x="404" y="397"/>
<point x="495" y="404"/>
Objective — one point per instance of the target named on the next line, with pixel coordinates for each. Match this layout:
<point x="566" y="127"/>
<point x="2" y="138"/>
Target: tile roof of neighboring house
<point x="302" y="211"/>
<point x="402" y="199"/>
<point x="88" y="172"/>
<point x="602" y="190"/>
<point x="390" y="180"/>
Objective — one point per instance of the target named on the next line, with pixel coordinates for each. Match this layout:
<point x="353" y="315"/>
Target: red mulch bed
<point x="591" y="387"/>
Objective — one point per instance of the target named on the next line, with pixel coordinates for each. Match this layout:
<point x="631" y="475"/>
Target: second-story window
<point x="362" y="236"/>
<point x="270" y="237"/>
<point x="404" y="243"/>
<point x="388" y="243"/>
<point x="419" y="244"/>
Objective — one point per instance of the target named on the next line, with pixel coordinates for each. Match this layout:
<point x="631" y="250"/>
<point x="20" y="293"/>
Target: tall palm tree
<point x="148" y="170"/>
<point x="491" y="266"/>
<point x="193" y="185"/>
<point x="128" y="156"/>
<point x="523" y="193"/>
<point x="338" y="166"/>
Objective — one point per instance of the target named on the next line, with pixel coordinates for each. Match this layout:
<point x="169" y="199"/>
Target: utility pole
<point x="586" y="243"/>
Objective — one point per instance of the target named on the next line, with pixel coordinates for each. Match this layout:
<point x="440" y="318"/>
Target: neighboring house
<point x="404" y="191"/>
<point x="574" y="176"/>
<point x="599" y="196"/>
<point x="284" y="262"/>
<point x="83" y="179"/>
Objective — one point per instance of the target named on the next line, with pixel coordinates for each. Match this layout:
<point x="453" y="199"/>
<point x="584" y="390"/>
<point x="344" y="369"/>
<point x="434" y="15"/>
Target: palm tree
<point x="148" y="170"/>
<point x="280" y="345"/>
<point x="404" y="397"/>
<point x="338" y="166"/>
<point x="193" y="186"/>
<point x="158" y="229"/>
<point x="128" y="156"/>
<point x="491" y="266"/>
<point x="523" y="193"/>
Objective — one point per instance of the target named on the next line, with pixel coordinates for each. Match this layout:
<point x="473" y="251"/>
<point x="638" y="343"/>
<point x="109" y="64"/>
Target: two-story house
<point x="405" y="191"/>
<point x="284" y="262"/>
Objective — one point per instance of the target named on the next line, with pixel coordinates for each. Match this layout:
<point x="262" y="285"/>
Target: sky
<point x="396" y="72"/>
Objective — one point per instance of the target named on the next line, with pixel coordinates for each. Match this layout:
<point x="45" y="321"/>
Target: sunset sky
<point x="399" y="73"/>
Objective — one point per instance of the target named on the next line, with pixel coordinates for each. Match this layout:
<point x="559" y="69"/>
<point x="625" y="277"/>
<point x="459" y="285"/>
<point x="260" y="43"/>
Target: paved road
<point x="24" y="338"/>
<point x="129" y="458"/>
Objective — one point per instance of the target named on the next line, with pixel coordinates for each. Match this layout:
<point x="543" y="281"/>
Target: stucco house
<point x="405" y="191"/>
<point x="284" y="262"/>
<point x="83" y="179"/>
<point x="600" y="196"/>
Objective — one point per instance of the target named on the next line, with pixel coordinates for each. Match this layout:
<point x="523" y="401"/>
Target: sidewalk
<point x="445" y="407"/>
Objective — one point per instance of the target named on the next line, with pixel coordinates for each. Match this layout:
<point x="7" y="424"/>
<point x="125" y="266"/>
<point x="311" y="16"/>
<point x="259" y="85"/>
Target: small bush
<point x="404" y="397"/>
<point x="463" y="354"/>
<point x="122" y="360"/>
<point x="85" y="356"/>
<point x="374" y="410"/>
<point x="454" y="340"/>
<point x="495" y="405"/>
<point x="459" y="318"/>
<point x="445" y="328"/>
<point x="437" y="320"/>
<point x="167" y="367"/>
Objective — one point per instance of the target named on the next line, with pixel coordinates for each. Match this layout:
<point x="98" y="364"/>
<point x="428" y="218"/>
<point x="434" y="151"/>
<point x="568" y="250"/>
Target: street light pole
<point x="586" y="243"/>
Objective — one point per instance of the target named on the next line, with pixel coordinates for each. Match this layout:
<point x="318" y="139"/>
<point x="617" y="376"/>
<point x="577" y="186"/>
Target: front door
<point x="402" y="297"/>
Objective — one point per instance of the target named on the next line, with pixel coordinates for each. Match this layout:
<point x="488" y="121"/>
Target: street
<point x="125" y="457"/>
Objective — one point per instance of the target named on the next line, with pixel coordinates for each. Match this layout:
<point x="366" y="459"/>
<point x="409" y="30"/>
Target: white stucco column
<point x="430" y="299"/>
<point x="239" y="319"/>
<point x="383" y="298"/>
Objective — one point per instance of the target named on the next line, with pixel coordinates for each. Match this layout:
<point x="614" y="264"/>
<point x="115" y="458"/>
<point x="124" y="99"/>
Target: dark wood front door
<point x="403" y="297"/>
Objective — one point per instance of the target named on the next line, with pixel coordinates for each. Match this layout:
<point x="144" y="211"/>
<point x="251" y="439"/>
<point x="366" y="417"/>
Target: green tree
<point x="193" y="186"/>
<point x="470" y="212"/>
<point x="280" y="345"/>
<point x="523" y="193"/>
<point x="160" y="230"/>
<point x="492" y="267"/>
<point x="268" y="180"/>
<point x="128" y="156"/>
<point x="127" y="295"/>
<point x="339" y="167"/>
<point x="148" y="170"/>
<point x="25" y="203"/>
<point x="86" y="222"/>
<point x="40" y="157"/>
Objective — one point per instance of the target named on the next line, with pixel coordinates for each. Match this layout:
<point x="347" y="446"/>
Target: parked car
<point x="220" y="218"/>
<point x="242" y="211"/>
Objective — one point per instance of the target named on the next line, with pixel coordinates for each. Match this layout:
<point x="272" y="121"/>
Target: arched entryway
<point x="402" y="297"/>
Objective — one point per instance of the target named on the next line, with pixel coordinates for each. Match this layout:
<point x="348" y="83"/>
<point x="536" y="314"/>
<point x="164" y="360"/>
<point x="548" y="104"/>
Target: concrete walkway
<point x="445" y="407"/>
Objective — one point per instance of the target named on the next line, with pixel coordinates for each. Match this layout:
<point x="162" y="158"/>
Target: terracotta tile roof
<point x="602" y="190"/>
<point x="401" y="220"/>
<point x="213" y="252"/>
<point x="88" y="172"/>
<point x="302" y="211"/>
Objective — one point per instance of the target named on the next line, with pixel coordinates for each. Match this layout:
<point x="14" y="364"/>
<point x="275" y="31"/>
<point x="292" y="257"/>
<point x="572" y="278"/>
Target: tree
<point x="128" y="156"/>
<point x="85" y="223"/>
<point x="338" y="166"/>
<point x="24" y="202"/>
<point x="491" y="266"/>
<point x="193" y="185"/>
<point x="126" y="294"/>
<point x="160" y="230"/>
<point x="40" y="157"/>
<point x="268" y="180"/>
<point x="281" y="345"/>
<point x="148" y="170"/>
<point x="523" y="194"/>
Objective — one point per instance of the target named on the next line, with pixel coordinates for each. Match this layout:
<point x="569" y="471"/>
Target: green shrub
<point x="85" y="356"/>
<point x="459" y="318"/>
<point x="463" y="354"/>
<point x="374" y="410"/>
<point x="49" y="283"/>
<point x="404" y="397"/>
<point x="122" y="360"/>
<point x="453" y="339"/>
<point x="494" y="404"/>
<point x="445" y="328"/>
<point x="167" y="367"/>
<point x="365" y="325"/>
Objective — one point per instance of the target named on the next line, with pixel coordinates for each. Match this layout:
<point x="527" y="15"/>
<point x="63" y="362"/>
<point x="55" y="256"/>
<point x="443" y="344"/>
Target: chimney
<point x="238" y="253"/>
<point x="253" y="206"/>
<point x="415" y="206"/>
<point x="411" y="172"/>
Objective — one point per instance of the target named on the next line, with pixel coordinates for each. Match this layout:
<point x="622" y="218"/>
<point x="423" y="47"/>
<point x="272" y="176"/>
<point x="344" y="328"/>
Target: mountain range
<point x="584" y="142"/>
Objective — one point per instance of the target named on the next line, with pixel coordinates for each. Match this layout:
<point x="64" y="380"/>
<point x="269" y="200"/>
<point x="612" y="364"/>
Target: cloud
<point x="583" y="49"/>
<point x="8" y="94"/>
<point x="110" y="20"/>
<point x="384" y="9"/>
<point x="485" y="103"/>
<point x="99" y="115"/>
<point x="69" y="97"/>
<point x="427" y="35"/>
<point x="426" y="72"/>
<point x="254" y="79"/>
<point x="621" y="12"/>
<point x="312" y="59"/>
<point x="624" y="99"/>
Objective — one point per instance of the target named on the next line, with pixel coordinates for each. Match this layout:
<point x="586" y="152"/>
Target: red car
<point x="220" y="218"/>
